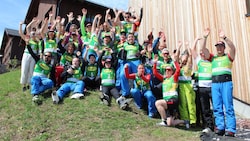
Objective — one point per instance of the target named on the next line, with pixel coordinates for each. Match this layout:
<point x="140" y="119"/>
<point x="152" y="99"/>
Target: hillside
<point x="85" y="119"/>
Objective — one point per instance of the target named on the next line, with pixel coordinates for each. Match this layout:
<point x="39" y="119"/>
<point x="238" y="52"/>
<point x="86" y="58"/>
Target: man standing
<point x="204" y="77"/>
<point x="222" y="87"/>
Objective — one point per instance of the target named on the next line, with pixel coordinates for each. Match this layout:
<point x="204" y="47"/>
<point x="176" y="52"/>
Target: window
<point x="248" y="8"/>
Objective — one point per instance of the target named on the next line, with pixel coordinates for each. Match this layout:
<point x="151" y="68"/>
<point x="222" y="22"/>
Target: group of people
<point x="108" y="56"/>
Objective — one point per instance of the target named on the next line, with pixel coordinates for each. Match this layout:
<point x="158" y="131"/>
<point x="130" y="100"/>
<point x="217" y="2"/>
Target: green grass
<point x="84" y="119"/>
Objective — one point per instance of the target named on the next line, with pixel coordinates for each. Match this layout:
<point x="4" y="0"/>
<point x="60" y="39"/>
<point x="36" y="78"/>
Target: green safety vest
<point x="42" y="69"/>
<point x="169" y="88"/>
<point x="141" y="84"/>
<point x="185" y="75"/>
<point x="108" y="77"/>
<point x="93" y="41"/>
<point x="131" y="51"/>
<point x="86" y="38"/>
<point x="77" y="75"/>
<point x="204" y="70"/>
<point x="66" y="59"/>
<point x="127" y="26"/>
<point x="91" y="70"/>
<point x="118" y="32"/>
<point x="119" y="47"/>
<point x="34" y="46"/>
<point x="50" y="46"/>
<point x="221" y="65"/>
<point x="160" y="56"/>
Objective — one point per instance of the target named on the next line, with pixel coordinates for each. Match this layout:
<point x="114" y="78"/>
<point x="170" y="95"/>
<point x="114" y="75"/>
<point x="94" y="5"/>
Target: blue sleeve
<point x="156" y="41"/>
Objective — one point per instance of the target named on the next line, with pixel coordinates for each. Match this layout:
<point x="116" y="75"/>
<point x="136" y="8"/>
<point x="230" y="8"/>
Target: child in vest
<point x="108" y="84"/>
<point x="91" y="71"/>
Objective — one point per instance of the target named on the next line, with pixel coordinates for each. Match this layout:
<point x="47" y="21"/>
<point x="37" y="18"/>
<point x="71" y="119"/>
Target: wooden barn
<point x="10" y="48"/>
<point x="184" y="20"/>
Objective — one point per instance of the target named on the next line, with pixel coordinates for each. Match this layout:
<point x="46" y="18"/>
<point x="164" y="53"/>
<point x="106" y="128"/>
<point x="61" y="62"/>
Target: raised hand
<point x="179" y="45"/>
<point x="126" y="66"/>
<point x="84" y="11"/>
<point x="70" y="16"/>
<point x="206" y="32"/>
<point x="62" y="21"/>
<point x="79" y="18"/>
<point x="222" y="34"/>
<point x="107" y="11"/>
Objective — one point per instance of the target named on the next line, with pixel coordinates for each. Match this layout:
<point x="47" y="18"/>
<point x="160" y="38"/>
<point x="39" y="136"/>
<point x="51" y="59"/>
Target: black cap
<point x="220" y="43"/>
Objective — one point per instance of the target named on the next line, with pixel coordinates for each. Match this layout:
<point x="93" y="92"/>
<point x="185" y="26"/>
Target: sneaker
<point x="24" y="89"/>
<point x="55" y="97"/>
<point x="163" y="123"/>
<point x="206" y="130"/>
<point x="229" y="134"/>
<point x="219" y="132"/>
<point x="100" y="88"/>
<point x="77" y="96"/>
<point x="36" y="100"/>
<point x="122" y="102"/>
<point x="187" y="124"/>
<point x="105" y="99"/>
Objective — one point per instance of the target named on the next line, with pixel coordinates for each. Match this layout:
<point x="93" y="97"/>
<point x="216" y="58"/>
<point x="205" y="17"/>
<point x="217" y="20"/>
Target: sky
<point x="12" y="12"/>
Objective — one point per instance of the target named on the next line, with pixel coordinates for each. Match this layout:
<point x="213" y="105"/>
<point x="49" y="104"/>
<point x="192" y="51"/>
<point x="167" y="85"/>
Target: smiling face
<point x="108" y="64"/>
<point x="106" y="40"/>
<point x="70" y="49"/>
<point x="184" y="59"/>
<point x="88" y="28"/>
<point x="220" y="50"/>
<point x="75" y="62"/>
<point x="131" y="39"/>
<point x="165" y="54"/>
<point x="127" y="16"/>
<point x="202" y="54"/>
<point x="91" y="59"/>
<point x="140" y="70"/>
<point x="169" y="72"/>
<point x="51" y="34"/>
<point x="47" y="57"/>
<point x="123" y="36"/>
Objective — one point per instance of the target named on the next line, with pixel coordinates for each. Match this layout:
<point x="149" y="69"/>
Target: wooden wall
<point x="186" y="19"/>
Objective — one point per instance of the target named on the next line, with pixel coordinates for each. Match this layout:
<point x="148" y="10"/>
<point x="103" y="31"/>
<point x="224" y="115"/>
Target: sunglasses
<point x="47" y="55"/>
<point x="166" y="53"/>
<point x="168" y="69"/>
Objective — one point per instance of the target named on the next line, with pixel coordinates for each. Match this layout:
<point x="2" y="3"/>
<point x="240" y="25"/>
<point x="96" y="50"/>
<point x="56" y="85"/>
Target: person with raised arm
<point x="204" y="81"/>
<point x="168" y="105"/>
<point x="28" y="62"/>
<point x="142" y="89"/>
<point x="222" y="86"/>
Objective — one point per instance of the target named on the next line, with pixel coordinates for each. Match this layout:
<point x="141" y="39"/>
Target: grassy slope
<point x="84" y="119"/>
